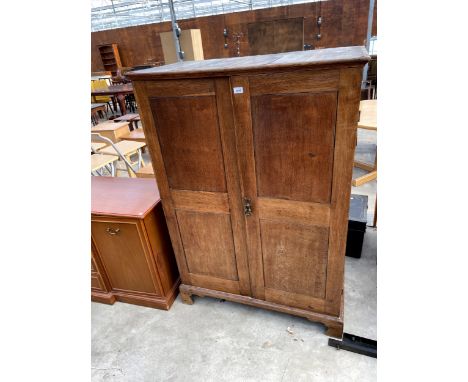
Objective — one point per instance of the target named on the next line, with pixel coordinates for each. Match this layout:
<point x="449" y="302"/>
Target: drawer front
<point x="96" y="282"/>
<point x="123" y="255"/>
<point x="93" y="267"/>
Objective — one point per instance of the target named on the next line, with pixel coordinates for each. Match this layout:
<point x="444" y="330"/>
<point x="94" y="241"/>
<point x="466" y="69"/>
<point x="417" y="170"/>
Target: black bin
<point x="357" y="224"/>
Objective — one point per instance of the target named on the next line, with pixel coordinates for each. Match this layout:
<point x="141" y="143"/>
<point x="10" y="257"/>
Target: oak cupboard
<point x="132" y="257"/>
<point x="253" y="157"/>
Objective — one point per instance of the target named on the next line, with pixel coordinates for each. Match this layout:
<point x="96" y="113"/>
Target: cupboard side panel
<point x="158" y="236"/>
<point x="345" y="141"/>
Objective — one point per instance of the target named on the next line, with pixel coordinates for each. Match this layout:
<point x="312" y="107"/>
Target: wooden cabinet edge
<point x="333" y="324"/>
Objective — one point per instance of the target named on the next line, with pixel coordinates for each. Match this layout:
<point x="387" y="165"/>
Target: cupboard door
<point x="192" y="143"/>
<point x="285" y="125"/>
<point x="126" y="260"/>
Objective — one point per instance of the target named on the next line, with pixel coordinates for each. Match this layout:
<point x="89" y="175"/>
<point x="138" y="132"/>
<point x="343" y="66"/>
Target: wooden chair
<point x="367" y="121"/>
<point x="97" y="111"/>
<point x="131" y="118"/>
<point x="146" y="172"/>
<point x="135" y="135"/>
<point x="101" y="161"/>
<point x="101" y="84"/>
<point x="124" y="150"/>
<point x="96" y="146"/>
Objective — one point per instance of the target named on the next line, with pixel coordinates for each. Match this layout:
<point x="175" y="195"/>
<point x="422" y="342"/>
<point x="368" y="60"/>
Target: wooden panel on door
<point x="208" y="244"/>
<point x="295" y="257"/>
<point x="294" y="140"/>
<point x="190" y="142"/>
<point x="123" y="256"/>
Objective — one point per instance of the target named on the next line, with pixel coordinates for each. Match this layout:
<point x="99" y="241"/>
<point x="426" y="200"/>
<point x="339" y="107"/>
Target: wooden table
<point x="367" y="121"/>
<point x="135" y="135"/>
<point x="132" y="118"/>
<point x="99" y="161"/>
<point x="119" y="91"/>
<point x="146" y="172"/>
<point x="112" y="130"/>
<point x="96" y="146"/>
<point x="103" y="77"/>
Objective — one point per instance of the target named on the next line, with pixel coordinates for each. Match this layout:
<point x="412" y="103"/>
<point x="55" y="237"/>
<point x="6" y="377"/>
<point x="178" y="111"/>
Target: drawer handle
<point x="112" y="231"/>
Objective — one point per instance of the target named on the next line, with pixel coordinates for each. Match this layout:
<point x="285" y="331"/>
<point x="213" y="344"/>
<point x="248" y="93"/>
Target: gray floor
<point x="222" y="341"/>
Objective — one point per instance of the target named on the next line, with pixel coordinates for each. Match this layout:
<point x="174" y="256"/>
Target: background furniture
<point x="102" y="85"/>
<point x="130" y="244"/>
<point x="131" y="118"/>
<point x="254" y="157"/>
<point x="190" y="43"/>
<point x="100" y="161"/>
<point x="146" y="172"/>
<point x="112" y="130"/>
<point x="357" y="224"/>
<point x="97" y="110"/>
<point x="367" y="121"/>
<point x="117" y="91"/>
<point x="135" y="135"/>
<point x="125" y="150"/>
<point x="344" y="23"/>
<point x="96" y="146"/>
<point x="276" y="36"/>
<point x="110" y="57"/>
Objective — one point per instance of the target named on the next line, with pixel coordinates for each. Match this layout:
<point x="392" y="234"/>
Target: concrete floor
<point x="223" y="341"/>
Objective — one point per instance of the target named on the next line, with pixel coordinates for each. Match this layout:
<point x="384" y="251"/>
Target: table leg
<point x="375" y="213"/>
<point x="121" y="100"/>
<point x="131" y="174"/>
<point x="114" y="105"/>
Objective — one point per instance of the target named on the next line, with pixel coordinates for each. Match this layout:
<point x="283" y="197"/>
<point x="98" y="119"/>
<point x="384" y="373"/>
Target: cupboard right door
<point x="291" y="151"/>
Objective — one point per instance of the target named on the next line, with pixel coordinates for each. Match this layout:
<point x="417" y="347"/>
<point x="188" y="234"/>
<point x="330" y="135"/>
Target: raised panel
<point x="200" y="201"/>
<point x="93" y="267"/>
<point x="123" y="256"/>
<point x="96" y="282"/>
<point x="294" y="142"/>
<point x="208" y="244"/>
<point x="181" y="88"/>
<point x="190" y="142"/>
<point x="294" y="257"/>
<point x="298" y="212"/>
<point x="294" y="82"/>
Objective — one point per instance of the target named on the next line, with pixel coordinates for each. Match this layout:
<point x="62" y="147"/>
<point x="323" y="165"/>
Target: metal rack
<point x="111" y="14"/>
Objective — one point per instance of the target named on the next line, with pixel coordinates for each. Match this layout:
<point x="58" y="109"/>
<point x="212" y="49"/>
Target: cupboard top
<point x="351" y="55"/>
<point x="127" y="197"/>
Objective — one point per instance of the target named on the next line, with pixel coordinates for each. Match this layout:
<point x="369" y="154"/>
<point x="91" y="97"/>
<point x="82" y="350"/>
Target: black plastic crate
<point x="357" y="224"/>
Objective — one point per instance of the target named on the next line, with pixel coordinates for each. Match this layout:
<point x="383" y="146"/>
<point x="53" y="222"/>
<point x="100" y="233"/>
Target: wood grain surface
<point x="263" y="219"/>
<point x="123" y="196"/>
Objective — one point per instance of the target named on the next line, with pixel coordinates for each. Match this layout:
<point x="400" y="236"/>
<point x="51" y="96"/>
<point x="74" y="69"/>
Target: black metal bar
<point x="355" y="344"/>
